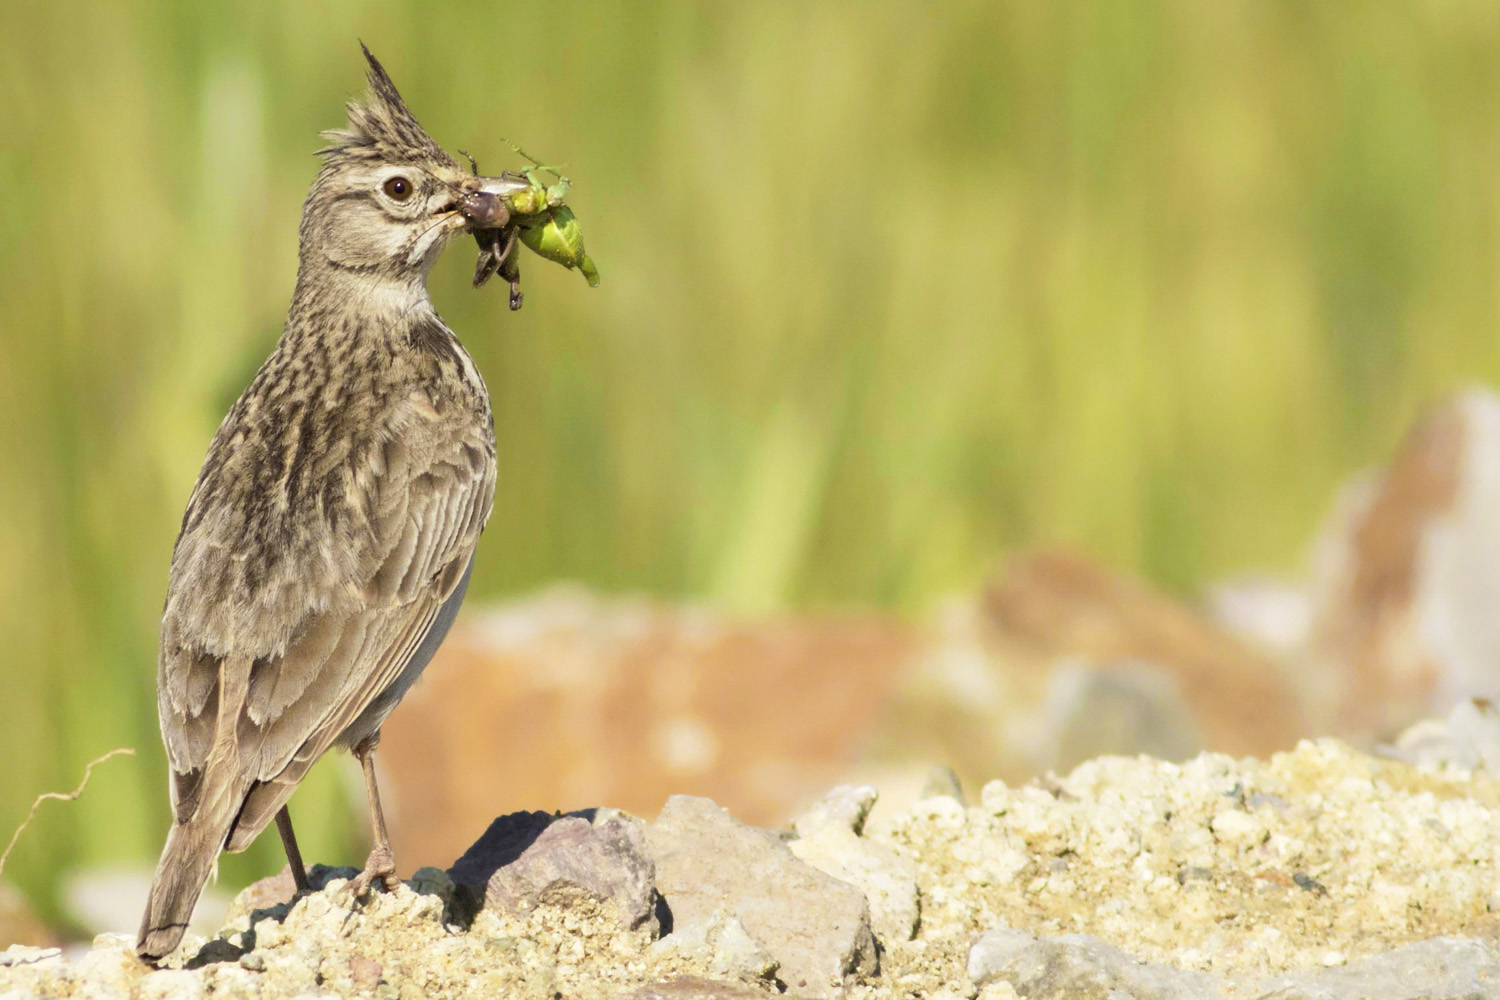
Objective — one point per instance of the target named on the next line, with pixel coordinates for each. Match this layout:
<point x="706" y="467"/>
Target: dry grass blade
<point x="61" y="797"/>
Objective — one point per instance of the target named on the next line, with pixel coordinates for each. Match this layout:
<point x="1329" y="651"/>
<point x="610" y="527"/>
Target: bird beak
<point x="485" y="205"/>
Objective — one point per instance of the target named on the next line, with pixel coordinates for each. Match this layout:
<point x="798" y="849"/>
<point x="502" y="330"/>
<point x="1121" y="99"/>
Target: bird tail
<point x="189" y="858"/>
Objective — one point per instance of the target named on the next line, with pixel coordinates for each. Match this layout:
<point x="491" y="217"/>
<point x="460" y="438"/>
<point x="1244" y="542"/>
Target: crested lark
<point x="328" y="541"/>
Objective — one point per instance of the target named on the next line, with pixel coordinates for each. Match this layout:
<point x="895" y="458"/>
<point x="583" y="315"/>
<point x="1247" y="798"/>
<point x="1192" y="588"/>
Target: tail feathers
<point x="186" y="862"/>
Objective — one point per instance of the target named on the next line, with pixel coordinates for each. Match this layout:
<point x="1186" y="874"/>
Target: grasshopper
<point x="539" y="217"/>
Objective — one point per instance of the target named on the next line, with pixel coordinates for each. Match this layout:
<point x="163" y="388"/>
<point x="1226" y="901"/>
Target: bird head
<point x="389" y="198"/>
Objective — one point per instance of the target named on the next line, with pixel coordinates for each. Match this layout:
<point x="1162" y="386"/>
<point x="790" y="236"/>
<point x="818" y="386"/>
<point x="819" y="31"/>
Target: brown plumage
<point x="327" y="544"/>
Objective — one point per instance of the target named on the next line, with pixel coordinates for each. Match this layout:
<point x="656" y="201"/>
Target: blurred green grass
<point x="888" y="289"/>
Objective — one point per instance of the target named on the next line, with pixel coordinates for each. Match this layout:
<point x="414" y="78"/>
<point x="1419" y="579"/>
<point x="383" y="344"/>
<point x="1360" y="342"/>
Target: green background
<point x="888" y="289"/>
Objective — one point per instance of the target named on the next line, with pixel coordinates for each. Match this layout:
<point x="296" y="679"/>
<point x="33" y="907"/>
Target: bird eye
<point x="398" y="188"/>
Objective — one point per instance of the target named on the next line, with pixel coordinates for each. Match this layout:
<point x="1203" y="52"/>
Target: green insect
<point x="539" y="217"/>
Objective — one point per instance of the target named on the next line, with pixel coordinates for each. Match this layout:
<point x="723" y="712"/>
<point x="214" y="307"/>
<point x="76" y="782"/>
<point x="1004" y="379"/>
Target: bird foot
<point x="379" y="867"/>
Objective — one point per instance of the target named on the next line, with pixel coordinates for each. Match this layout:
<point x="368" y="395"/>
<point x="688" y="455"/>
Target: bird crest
<point x="381" y="127"/>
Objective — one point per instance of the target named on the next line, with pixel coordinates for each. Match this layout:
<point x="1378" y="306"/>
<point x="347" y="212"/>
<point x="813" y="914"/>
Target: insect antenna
<point x="537" y="164"/>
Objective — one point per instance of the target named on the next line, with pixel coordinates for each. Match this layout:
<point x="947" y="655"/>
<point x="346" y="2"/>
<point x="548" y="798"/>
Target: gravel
<point x="1322" y="872"/>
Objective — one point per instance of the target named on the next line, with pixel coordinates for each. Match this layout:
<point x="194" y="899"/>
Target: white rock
<point x="816" y="926"/>
<point x="722" y="945"/>
<point x="22" y="954"/>
<point x="171" y="984"/>
<point x="845" y="807"/>
<point x="888" y="881"/>
<point x="995" y="796"/>
<point x="110" y="969"/>
<point x="1236" y="827"/>
<point x="941" y="807"/>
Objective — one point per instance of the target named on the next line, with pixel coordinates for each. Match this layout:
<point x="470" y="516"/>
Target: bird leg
<point x="293" y="855"/>
<point x="381" y="864"/>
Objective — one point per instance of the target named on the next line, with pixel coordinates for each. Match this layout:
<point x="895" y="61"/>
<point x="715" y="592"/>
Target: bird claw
<point x="379" y="867"/>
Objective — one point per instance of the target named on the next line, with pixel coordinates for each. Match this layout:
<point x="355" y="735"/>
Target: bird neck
<point x="363" y="311"/>
<point x="380" y="300"/>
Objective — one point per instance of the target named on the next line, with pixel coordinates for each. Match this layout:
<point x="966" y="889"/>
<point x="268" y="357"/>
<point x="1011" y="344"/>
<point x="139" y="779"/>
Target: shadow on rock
<point x="528" y="859"/>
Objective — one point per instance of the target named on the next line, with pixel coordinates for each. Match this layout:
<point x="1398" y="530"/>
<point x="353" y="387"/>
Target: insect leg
<point x="491" y="256"/>
<point x="510" y="268"/>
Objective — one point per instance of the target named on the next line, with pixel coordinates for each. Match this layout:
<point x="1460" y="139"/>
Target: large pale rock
<point x="526" y="860"/>
<point x="1077" y="965"/>
<point x="1437" y="969"/>
<point x="708" y="863"/>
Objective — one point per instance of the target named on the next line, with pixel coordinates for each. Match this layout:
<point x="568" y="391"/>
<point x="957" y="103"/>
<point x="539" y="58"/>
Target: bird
<point x="328" y="540"/>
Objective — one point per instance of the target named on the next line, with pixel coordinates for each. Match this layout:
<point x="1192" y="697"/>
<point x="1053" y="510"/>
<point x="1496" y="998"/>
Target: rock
<point x="1273" y="614"/>
<point x="1321" y="873"/>
<point x="694" y="988"/>
<point x="1078" y="965"/>
<point x="1133" y="707"/>
<point x="942" y="780"/>
<point x="110" y="969"/>
<point x="845" y="807"/>
<point x="1469" y="738"/>
<point x="25" y="954"/>
<point x="262" y="894"/>
<point x="431" y="881"/>
<point x="170" y="984"/>
<point x="1056" y="661"/>
<point x="828" y="839"/>
<point x="815" y="926"/>
<point x="1437" y="969"/>
<point x="626" y="701"/>
<point x="503" y="842"/>
<point x="1059" y="660"/>
<point x="227" y="981"/>
<point x="888" y="880"/>
<point x="1405" y="576"/>
<point x="1237" y="828"/>
<point x="722" y="944"/>
<point x="526" y="860"/>
<point x="1054" y="607"/>
<point x="278" y="890"/>
<point x="364" y="973"/>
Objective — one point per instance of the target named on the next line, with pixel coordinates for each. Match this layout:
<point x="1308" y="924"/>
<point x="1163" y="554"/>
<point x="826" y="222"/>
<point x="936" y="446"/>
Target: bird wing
<point x="421" y="519"/>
